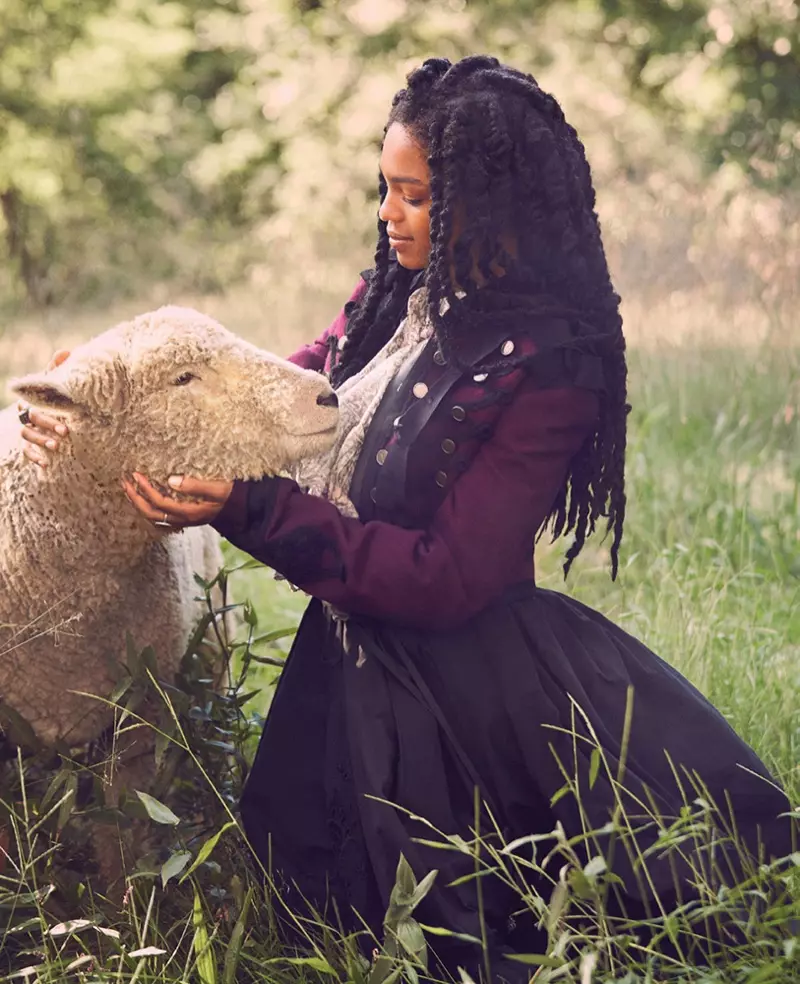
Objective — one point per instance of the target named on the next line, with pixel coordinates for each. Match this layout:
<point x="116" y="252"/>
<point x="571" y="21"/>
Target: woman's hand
<point x="42" y="431"/>
<point x="163" y="510"/>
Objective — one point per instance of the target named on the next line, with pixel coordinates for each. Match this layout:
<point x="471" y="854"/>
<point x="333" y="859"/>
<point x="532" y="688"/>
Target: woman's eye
<point x="184" y="378"/>
<point x="414" y="202"/>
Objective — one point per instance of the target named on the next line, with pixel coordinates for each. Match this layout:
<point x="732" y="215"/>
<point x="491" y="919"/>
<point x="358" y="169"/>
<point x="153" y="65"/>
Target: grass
<point x="710" y="580"/>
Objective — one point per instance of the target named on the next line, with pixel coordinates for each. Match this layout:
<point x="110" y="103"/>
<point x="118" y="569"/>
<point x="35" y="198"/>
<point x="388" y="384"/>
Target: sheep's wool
<point x="329" y="475"/>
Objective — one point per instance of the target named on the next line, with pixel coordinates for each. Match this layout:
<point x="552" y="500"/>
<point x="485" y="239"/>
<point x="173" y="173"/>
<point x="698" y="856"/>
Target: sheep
<point x="171" y="392"/>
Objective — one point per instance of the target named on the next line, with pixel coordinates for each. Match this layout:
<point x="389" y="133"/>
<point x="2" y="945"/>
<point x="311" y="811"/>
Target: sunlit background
<point x="224" y="153"/>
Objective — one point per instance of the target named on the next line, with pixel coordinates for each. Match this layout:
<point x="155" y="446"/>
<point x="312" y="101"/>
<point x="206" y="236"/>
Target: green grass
<point x="710" y="580"/>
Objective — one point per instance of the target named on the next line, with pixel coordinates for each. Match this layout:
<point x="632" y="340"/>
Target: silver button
<point x="420" y="390"/>
<point x="441" y="479"/>
<point x="342" y="342"/>
<point x="374" y="495"/>
<point x="438" y="358"/>
<point x="459" y="413"/>
<point x="397" y="421"/>
<point x="448" y="445"/>
<point x="507" y="347"/>
<point x="481" y="377"/>
<point x="381" y="456"/>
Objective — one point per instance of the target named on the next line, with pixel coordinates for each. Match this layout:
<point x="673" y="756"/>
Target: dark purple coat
<point x="454" y="671"/>
<point x="473" y="502"/>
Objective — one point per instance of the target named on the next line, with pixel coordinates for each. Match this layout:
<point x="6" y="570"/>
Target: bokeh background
<point x="224" y="153"/>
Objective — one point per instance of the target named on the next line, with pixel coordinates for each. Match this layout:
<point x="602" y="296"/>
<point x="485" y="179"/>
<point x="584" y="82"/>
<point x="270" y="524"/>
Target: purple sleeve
<point x="479" y="541"/>
<point x="316" y="355"/>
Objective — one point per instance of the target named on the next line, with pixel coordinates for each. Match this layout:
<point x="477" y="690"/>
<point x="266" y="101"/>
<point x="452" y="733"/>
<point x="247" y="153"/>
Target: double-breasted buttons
<point x="373" y="495"/>
<point x="438" y="358"/>
<point x="448" y="445"/>
<point x="342" y="342"/>
<point x="507" y="347"/>
<point x="458" y="413"/>
<point x="441" y="479"/>
<point x="381" y="456"/>
<point x="420" y="390"/>
<point x="480" y="377"/>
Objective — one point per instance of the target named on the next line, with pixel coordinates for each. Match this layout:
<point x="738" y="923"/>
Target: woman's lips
<point x="399" y="243"/>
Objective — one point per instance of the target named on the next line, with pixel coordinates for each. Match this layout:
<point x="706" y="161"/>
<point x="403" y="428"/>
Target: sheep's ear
<point x="43" y="392"/>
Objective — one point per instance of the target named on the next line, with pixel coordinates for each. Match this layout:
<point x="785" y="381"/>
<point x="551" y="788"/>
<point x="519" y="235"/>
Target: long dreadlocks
<point x="511" y="189"/>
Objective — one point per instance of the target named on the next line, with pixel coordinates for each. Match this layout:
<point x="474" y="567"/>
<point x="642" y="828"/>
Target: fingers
<point x="33" y="454"/>
<point x="202" y="488"/>
<point x="41" y="427"/>
<point x="160" y="508"/>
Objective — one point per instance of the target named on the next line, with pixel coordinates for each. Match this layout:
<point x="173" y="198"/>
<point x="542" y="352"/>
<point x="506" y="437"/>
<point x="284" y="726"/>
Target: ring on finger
<point x="25" y="416"/>
<point x="163" y="522"/>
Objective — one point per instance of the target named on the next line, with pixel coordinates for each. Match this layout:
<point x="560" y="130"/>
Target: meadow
<point x="710" y="579"/>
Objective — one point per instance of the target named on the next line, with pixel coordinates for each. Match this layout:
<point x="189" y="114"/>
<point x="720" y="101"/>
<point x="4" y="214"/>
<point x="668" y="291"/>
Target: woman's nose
<point x="388" y="210"/>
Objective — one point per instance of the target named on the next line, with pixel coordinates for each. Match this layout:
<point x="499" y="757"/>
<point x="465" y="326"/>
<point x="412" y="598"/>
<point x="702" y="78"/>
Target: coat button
<point x="374" y="495"/>
<point x="420" y="390"/>
<point x="441" y="479"/>
<point x="480" y="377"/>
<point x="438" y="358"/>
<point x="448" y="445"/>
<point x="458" y="413"/>
<point x="342" y="342"/>
<point x="381" y="456"/>
<point x="507" y="347"/>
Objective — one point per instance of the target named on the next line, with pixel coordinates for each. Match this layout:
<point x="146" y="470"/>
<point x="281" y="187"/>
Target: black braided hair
<point x="510" y="175"/>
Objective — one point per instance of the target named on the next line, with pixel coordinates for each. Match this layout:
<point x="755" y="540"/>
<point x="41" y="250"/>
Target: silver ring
<point x="163" y="522"/>
<point x="25" y="416"/>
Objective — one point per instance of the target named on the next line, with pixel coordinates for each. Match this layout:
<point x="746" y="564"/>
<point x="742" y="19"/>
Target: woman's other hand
<point x="42" y="432"/>
<point x="207" y="499"/>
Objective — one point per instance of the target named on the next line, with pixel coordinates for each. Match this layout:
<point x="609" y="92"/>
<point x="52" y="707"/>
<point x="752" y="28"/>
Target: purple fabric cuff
<point x="232" y="519"/>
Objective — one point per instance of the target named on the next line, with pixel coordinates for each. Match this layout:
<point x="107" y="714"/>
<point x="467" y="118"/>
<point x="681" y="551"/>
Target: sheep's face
<point x="173" y="392"/>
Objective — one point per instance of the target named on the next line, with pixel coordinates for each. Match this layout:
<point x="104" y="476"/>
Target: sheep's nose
<point x="328" y="399"/>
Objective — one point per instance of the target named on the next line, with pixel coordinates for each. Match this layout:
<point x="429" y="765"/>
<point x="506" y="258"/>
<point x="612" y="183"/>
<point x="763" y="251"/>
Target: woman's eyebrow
<point x="404" y="179"/>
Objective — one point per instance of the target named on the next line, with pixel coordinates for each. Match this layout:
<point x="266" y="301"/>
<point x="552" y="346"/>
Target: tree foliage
<point x="137" y="138"/>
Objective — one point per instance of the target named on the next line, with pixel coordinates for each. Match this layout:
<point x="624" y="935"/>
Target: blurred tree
<point x="179" y="140"/>
<point x="727" y="69"/>
<point x="106" y="107"/>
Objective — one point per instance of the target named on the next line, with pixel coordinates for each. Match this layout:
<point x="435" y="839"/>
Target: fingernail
<point x="61" y="429"/>
<point x="52" y="444"/>
<point x="175" y="481"/>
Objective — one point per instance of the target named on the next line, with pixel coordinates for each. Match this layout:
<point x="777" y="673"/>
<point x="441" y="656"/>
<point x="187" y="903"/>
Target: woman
<point x="481" y="374"/>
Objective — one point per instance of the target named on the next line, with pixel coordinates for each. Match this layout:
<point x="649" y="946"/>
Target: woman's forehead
<point x="402" y="159"/>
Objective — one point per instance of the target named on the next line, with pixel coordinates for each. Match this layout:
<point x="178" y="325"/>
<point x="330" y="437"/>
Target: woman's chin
<point x="410" y="262"/>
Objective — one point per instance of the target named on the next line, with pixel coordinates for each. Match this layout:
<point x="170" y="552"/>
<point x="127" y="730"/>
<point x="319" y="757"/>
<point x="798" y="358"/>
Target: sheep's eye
<point x="184" y="378"/>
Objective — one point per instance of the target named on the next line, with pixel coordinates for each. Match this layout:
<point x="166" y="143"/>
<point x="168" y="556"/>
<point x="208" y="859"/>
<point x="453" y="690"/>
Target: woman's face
<point x="407" y="205"/>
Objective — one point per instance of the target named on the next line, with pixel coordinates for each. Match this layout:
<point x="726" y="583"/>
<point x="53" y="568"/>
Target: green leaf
<point x="250" y="614"/>
<point x="536" y="959"/>
<point x="314" y="963"/>
<point x="441" y="931"/>
<point x="206" y="849"/>
<point x="157" y="811"/>
<point x="68" y="802"/>
<point x="206" y="966"/>
<point x="594" y="766"/>
<point x="235" y="946"/>
<point x="423" y="888"/>
<point x="174" y="866"/>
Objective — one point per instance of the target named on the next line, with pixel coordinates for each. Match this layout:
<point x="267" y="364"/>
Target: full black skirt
<point x="513" y="702"/>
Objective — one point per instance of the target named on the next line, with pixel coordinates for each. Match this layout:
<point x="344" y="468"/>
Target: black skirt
<point x="514" y="702"/>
